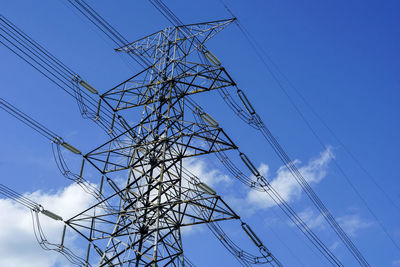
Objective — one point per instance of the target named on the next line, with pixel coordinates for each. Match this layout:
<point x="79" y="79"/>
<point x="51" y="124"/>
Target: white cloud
<point x="201" y="169"/>
<point x="21" y="248"/>
<point x="283" y="182"/>
<point x="314" y="221"/>
<point x="286" y="185"/>
<point x="192" y="229"/>
<point x="353" y="223"/>
<point x="18" y="246"/>
<point x="212" y="177"/>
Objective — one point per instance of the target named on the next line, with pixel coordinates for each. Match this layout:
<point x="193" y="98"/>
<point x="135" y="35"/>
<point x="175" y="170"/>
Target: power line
<point x="21" y="116"/>
<point x="43" y="61"/>
<point x="26" y="202"/>
<point x="260" y="52"/>
<point x="256" y="120"/>
<point x="104" y="27"/>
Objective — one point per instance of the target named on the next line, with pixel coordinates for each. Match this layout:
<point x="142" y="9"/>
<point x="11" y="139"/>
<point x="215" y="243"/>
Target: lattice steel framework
<point x="145" y="194"/>
<point x="139" y="223"/>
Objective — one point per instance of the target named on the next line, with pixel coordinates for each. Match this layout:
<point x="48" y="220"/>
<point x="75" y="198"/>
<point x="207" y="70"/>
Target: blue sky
<point x="341" y="55"/>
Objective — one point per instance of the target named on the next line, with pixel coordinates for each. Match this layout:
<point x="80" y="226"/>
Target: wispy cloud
<point x="314" y="221"/>
<point x="353" y="223"/>
<point x="210" y="176"/>
<point x="285" y="184"/>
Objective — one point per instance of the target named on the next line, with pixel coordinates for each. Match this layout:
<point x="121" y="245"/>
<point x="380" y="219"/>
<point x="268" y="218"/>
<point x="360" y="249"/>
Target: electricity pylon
<point x="145" y="195"/>
<point x="142" y="226"/>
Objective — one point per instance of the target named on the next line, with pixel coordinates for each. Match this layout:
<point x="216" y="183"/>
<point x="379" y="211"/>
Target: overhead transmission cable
<point x="262" y="55"/>
<point x="52" y="68"/>
<point x="262" y="184"/>
<point x="56" y="141"/>
<point x="50" y="58"/>
<point x="258" y="123"/>
<point x="330" y="219"/>
<point x="331" y="257"/>
<point x="21" y="116"/>
<point x="244" y="257"/>
<point x="260" y="52"/>
<point x="115" y="36"/>
<point x="26" y="202"/>
<point x="189" y="101"/>
<point x="279" y="201"/>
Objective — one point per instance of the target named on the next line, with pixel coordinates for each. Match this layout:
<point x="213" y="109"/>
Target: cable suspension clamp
<point x="265" y="252"/>
<point x="263" y="182"/>
<point x="58" y="140"/>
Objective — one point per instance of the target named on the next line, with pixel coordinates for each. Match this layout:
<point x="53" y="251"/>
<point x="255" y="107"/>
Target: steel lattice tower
<point x="141" y="224"/>
<point x="145" y="194"/>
